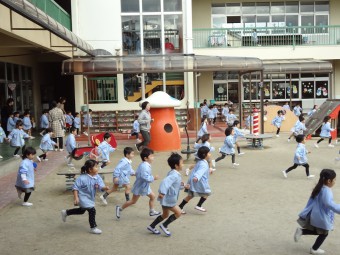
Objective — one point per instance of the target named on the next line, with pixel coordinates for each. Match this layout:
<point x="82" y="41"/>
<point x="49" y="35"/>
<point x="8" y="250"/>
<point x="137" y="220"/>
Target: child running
<point x="76" y="122"/>
<point x="231" y="117"/>
<point x="325" y="132"/>
<point x="25" y="176"/>
<point x="121" y="175"/>
<point x="105" y="149"/>
<point x="199" y="181"/>
<point x="141" y="187"/>
<point x="277" y="121"/>
<point x="203" y="130"/>
<point x="10" y="123"/>
<point x="84" y="192"/>
<point x="317" y="218"/>
<point x="47" y="144"/>
<point x="44" y="123"/>
<point x="229" y="146"/>
<point x="237" y="134"/>
<point x="17" y="139"/>
<point x="71" y="146"/>
<point x="168" y="195"/>
<point x="135" y="130"/>
<point x="300" y="157"/>
<point x="298" y="128"/>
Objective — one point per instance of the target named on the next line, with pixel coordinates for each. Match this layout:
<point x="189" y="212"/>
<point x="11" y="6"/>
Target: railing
<point x="52" y="9"/>
<point x="266" y="36"/>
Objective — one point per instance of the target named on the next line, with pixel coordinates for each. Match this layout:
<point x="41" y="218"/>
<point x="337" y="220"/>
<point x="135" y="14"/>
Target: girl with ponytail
<point x="318" y="216"/>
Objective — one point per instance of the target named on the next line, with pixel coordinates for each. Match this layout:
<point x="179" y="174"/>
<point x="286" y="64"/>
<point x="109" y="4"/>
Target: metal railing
<point x="266" y="36"/>
<point x="54" y="10"/>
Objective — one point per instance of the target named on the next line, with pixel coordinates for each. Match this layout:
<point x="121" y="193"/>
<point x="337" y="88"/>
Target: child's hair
<point x="15" y="113"/>
<point x="68" y="112"/>
<point x="226" y="104"/>
<point x="76" y="113"/>
<point x="26" y="112"/>
<point x="44" y="111"/>
<point x="299" y="138"/>
<point x="89" y="164"/>
<point x="19" y="123"/>
<point x="144" y="104"/>
<point x="72" y="129"/>
<point x="127" y="151"/>
<point x="90" y="110"/>
<point x="107" y="136"/>
<point x="48" y="130"/>
<point x="201" y="104"/>
<point x="228" y="131"/>
<point x="174" y="160"/>
<point x="231" y="110"/>
<point x="236" y="122"/>
<point x="146" y="152"/>
<point x="12" y="113"/>
<point x="279" y="112"/>
<point x="203" y="119"/>
<point x="136" y="117"/>
<point x="326" y="119"/>
<point x="211" y="106"/>
<point x="203" y="152"/>
<point x="325" y="175"/>
<point x="301" y="118"/>
<point x="28" y="151"/>
<point x="314" y="107"/>
<point x="205" y="138"/>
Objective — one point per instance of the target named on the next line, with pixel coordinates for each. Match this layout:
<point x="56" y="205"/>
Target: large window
<point x="102" y="90"/>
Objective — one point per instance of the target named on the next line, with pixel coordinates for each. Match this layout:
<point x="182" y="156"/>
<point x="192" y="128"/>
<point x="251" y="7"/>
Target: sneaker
<point x="27" y="204"/>
<point x="45" y="159"/>
<point x="318" y="251"/>
<point x="70" y="164"/>
<point x="153" y="230"/>
<point x="213" y="169"/>
<point x="1" y="156"/>
<point x="284" y="173"/>
<point x="118" y="210"/>
<point x="331" y="145"/>
<point x="288" y="140"/>
<point x="103" y="199"/>
<point x="16" y="155"/>
<point x="61" y="149"/>
<point x="63" y="215"/>
<point x="187" y="171"/>
<point x="165" y="230"/>
<point x="38" y="158"/>
<point x="129" y="136"/>
<point x="298" y="234"/>
<point x="85" y="133"/>
<point x="95" y="231"/>
<point x="184" y="212"/>
<point x="137" y="147"/>
<point x="200" y="208"/>
<point x="310" y="176"/>
<point x="213" y="163"/>
<point x="235" y="164"/>
<point x="241" y="153"/>
<point x="277" y="135"/>
<point x="316" y="145"/>
<point x="154" y="213"/>
<point x="138" y="141"/>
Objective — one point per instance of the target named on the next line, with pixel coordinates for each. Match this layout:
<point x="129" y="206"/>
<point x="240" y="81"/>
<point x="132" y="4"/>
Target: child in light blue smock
<point x="326" y="132"/>
<point x="76" y="122"/>
<point x="300" y="157"/>
<point x="71" y="145"/>
<point x="237" y="134"/>
<point x="231" y="117"/>
<point x="211" y="115"/>
<point x="317" y="218"/>
<point x="88" y="119"/>
<point x="298" y="128"/>
<point x="225" y="111"/>
<point x="249" y="120"/>
<point x="215" y="110"/>
<point x="199" y="181"/>
<point x="228" y="147"/>
<point x="2" y="135"/>
<point x="277" y="121"/>
<point x="203" y="129"/>
<point x="121" y="175"/>
<point x="84" y="192"/>
<point x="69" y="120"/>
<point x="16" y="138"/>
<point x="10" y="123"/>
<point x="104" y="149"/>
<point x="141" y="187"/>
<point x="44" y="123"/>
<point x="135" y="130"/>
<point x="297" y="110"/>
<point x="46" y="144"/>
<point x="27" y="124"/>
<point x="168" y="195"/>
<point x="25" y="176"/>
<point x="16" y="117"/>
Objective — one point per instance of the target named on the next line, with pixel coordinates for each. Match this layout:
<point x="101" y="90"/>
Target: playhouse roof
<point x="160" y="99"/>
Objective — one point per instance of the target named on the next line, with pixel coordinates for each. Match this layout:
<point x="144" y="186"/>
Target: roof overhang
<point x="297" y="66"/>
<point x="159" y="64"/>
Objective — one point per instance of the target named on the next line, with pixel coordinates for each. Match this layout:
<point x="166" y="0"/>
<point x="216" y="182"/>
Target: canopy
<point x="159" y="64"/>
<point x="297" y="66"/>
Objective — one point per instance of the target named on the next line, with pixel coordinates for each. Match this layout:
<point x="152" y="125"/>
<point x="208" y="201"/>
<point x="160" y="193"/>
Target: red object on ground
<point x="165" y="135"/>
<point x="255" y="122"/>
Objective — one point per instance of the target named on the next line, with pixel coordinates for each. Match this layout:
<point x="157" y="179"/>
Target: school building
<point x="298" y="43"/>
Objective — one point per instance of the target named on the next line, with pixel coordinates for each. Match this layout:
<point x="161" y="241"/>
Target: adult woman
<point x="57" y="122"/>
<point x="144" y="120"/>
<point x="5" y="112"/>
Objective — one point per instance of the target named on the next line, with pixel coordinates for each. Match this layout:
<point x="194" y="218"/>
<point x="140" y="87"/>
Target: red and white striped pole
<point x="255" y="122"/>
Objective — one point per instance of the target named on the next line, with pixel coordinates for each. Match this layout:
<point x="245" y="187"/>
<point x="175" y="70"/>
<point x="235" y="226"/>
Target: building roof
<point x="159" y="64"/>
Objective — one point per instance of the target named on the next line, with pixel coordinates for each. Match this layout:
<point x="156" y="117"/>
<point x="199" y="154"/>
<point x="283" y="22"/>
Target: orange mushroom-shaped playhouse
<point x="165" y="134"/>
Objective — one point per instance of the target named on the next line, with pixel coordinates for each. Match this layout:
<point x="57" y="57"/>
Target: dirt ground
<point x="252" y="210"/>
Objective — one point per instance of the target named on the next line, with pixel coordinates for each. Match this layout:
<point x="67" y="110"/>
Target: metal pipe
<point x="88" y="108"/>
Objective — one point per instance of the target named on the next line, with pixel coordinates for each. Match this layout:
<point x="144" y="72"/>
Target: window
<point x="217" y="8"/>
<point x="251" y="88"/>
<point x="262" y="8"/>
<point x="130" y="6"/>
<point x="307" y="89"/>
<point x="292" y="20"/>
<point x="295" y="89"/>
<point x="278" y="90"/>
<point x="292" y="7"/>
<point x="151" y="5"/>
<point x="321" y="89"/>
<point x="102" y="90"/>
<point x="218" y="22"/>
<point x="173" y="6"/>
<point x="233" y="9"/>
<point x="278" y="7"/>
<point x="321" y="6"/>
<point x="307" y="6"/>
<point x="248" y="8"/>
<point x="221" y="92"/>
<point x="233" y="19"/>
